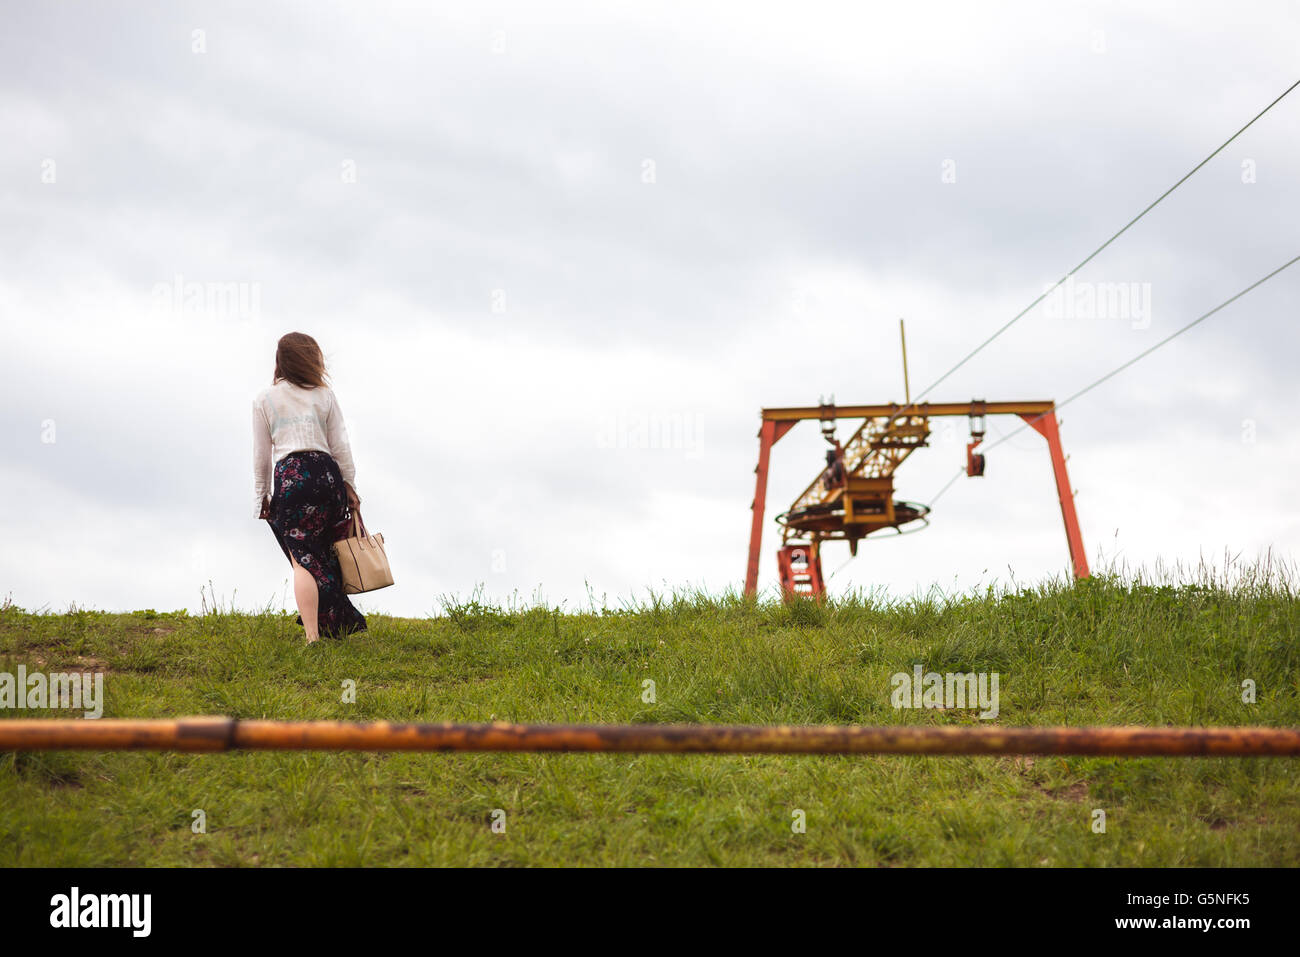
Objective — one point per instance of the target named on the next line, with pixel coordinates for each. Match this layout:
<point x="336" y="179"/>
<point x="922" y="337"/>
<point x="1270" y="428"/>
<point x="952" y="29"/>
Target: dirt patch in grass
<point x="1078" y="791"/>
<point x="80" y="663"/>
<point x="1023" y="764"/>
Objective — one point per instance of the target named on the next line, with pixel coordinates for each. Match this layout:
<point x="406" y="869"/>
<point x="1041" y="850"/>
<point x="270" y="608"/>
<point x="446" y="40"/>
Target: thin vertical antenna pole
<point x="907" y="389"/>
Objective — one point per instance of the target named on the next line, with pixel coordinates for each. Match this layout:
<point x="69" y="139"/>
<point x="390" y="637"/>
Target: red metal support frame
<point x="1040" y="414"/>
<point x="768" y="436"/>
<point x="800" y="570"/>
<point x="1045" y="424"/>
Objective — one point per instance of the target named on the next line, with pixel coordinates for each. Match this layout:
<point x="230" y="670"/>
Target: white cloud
<point x="797" y="212"/>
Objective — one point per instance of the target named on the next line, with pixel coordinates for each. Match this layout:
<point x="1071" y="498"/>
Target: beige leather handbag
<point x="363" y="559"/>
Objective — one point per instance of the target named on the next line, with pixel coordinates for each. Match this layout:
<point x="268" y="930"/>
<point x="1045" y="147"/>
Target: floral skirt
<point x="309" y="513"/>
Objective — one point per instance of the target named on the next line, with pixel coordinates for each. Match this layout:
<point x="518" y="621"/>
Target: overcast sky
<point x="560" y="255"/>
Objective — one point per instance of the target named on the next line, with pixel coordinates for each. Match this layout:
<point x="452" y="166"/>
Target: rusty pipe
<point x="203" y="734"/>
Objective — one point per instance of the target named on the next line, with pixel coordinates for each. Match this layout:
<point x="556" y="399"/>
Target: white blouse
<point x="288" y="418"/>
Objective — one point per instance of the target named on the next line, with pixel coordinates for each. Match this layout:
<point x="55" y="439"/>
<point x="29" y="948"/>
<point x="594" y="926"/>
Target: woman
<point x="299" y="435"/>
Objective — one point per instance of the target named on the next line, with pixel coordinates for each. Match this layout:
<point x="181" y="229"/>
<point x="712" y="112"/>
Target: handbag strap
<point x="358" y="526"/>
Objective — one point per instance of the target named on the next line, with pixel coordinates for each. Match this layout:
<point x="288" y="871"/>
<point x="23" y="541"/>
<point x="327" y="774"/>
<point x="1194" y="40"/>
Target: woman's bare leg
<point x="308" y="598"/>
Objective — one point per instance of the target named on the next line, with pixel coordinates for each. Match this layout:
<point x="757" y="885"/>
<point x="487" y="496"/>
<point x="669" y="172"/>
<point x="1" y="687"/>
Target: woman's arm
<point x="261" y="459"/>
<point x="336" y="435"/>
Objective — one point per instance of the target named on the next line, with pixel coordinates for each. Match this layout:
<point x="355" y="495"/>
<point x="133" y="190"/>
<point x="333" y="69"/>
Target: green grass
<point x="1099" y="652"/>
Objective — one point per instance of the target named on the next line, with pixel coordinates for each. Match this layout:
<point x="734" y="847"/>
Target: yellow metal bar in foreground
<point x="210" y="734"/>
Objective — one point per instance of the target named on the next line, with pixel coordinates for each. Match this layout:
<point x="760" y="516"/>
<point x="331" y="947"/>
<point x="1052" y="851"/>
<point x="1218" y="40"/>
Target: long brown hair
<point x="298" y="358"/>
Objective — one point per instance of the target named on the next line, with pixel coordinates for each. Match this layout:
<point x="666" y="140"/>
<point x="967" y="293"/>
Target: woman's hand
<point x="266" y="509"/>
<point x="354" y="502"/>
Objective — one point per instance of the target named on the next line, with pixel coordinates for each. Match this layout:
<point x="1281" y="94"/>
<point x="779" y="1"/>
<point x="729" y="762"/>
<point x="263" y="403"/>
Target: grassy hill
<point x="1096" y="652"/>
